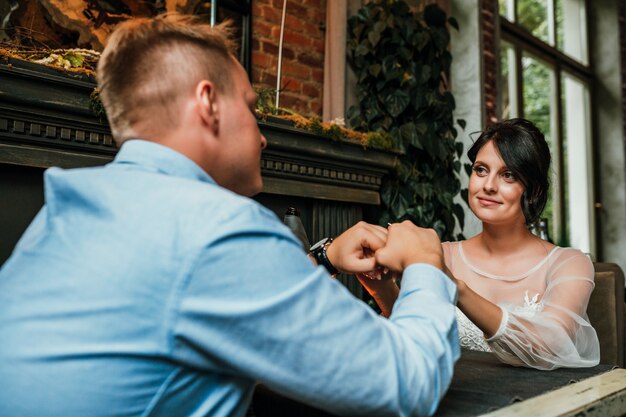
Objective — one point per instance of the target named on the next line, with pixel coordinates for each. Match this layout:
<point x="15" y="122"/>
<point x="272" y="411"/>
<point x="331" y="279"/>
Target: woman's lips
<point x="488" y="202"/>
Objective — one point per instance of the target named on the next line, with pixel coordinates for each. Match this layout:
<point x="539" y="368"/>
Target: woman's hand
<point x="384" y="292"/>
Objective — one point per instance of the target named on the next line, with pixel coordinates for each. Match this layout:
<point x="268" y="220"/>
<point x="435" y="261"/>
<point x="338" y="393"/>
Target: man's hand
<point x="353" y="250"/>
<point x="408" y="244"/>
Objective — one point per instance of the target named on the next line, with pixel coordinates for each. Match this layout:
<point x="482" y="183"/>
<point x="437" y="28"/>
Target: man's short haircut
<point x="149" y="65"/>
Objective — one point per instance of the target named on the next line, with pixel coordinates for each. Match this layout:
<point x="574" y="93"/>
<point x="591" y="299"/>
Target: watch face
<point x="319" y="244"/>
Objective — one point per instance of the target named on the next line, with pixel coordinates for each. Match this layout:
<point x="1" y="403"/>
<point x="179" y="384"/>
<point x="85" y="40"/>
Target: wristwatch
<point x="318" y="251"/>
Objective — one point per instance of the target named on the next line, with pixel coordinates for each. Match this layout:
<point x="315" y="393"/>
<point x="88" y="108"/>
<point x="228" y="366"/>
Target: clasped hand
<point x="366" y="247"/>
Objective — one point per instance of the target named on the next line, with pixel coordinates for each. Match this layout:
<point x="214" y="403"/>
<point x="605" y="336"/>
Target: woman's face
<point x="495" y="194"/>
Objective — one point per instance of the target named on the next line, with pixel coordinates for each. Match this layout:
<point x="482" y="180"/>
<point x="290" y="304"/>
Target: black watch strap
<point x="318" y="251"/>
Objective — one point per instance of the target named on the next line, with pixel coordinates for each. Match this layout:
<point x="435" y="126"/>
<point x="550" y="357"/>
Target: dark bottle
<point x="294" y="223"/>
<point x="540" y="228"/>
<point x="544" y="230"/>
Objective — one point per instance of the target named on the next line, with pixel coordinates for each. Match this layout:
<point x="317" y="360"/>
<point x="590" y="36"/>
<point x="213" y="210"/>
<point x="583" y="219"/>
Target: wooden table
<point x="482" y="386"/>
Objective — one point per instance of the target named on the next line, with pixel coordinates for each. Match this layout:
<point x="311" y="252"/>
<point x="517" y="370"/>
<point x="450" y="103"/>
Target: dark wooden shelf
<point x="45" y="121"/>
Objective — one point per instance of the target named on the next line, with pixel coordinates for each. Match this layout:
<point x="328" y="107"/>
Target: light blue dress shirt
<point x="143" y="288"/>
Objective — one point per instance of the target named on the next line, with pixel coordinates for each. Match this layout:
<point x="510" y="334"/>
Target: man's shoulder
<point x="226" y="211"/>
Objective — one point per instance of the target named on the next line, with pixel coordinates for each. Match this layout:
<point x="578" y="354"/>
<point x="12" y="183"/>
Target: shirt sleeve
<point x="255" y="306"/>
<point x="555" y="331"/>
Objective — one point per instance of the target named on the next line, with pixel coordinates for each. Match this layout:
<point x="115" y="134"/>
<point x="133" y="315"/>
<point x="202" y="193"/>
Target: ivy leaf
<point x="408" y="132"/>
<point x="424" y="190"/>
<point x="371" y="114"/>
<point x="399" y="8"/>
<point x="361" y="50"/>
<point x="446" y="58"/>
<point x="464" y="194"/>
<point x="458" y="212"/>
<point x="407" y="79"/>
<point x="405" y="53"/>
<point x="422" y="128"/>
<point x="388" y="194"/>
<point x="391" y="68"/>
<point x="425" y="74"/>
<point x="468" y="169"/>
<point x="374" y="38"/>
<point x="396" y="102"/>
<point x="452" y="21"/>
<point x="461" y="123"/>
<point x="459" y="149"/>
<point x="374" y="69"/>
<point x="434" y="16"/>
<point x="76" y="59"/>
<point x="440" y="39"/>
<point x="401" y="207"/>
<point x="422" y="40"/>
<point x="417" y="99"/>
<point x="440" y="228"/>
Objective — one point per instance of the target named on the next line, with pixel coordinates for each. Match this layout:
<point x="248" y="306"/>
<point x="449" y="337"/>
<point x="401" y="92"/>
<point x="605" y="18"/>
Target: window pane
<point x="539" y="97"/>
<point x="571" y="28"/>
<point x="508" y="85"/>
<point x="539" y="92"/>
<point x="506" y="9"/>
<point x="536" y="17"/>
<point x="577" y="164"/>
<point x="238" y="13"/>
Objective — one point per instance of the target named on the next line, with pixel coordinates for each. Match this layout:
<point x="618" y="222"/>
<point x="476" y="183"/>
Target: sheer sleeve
<point x="553" y="331"/>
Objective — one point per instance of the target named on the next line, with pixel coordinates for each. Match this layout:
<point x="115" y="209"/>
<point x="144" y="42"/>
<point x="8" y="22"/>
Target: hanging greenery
<point x="335" y="129"/>
<point x="401" y="60"/>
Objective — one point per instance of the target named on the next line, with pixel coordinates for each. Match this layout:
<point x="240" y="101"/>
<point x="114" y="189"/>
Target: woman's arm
<point x="486" y="315"/>
<point x="384" y="292"/>
<point x="558" y="334"/>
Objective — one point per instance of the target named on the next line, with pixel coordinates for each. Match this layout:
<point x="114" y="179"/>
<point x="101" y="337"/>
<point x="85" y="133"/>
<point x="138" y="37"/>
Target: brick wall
<point x="303" y="52"/>
<point x="489" y="15"/>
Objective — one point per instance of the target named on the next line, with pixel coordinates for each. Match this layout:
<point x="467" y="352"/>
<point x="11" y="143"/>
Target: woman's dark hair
<point x="525" y="152"/>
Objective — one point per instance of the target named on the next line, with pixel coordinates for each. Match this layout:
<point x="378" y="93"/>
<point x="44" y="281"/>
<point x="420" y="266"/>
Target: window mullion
<point x="519" y="80"/>
<point x="516" y="35"/>
<point x="560" y="225"/>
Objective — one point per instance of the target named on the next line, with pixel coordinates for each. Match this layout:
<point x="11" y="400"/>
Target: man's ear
<point x="206" y="100"/>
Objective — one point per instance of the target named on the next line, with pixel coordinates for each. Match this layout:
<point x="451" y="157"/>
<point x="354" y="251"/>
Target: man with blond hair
<point x="153" y="286"/>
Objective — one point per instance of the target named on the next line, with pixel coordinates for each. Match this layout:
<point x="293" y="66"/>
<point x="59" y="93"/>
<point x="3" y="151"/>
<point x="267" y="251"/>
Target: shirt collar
<point x="152" y="156"/>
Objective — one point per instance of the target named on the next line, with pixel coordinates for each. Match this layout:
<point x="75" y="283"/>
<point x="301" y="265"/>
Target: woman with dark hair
<point x="520" y="297"/>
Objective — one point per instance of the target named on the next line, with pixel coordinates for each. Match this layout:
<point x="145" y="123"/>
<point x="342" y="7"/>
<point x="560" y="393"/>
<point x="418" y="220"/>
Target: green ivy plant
<point x="401" y="61"/>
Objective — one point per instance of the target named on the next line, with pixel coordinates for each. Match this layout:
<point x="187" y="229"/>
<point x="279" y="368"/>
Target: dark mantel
<point x="45" y="120"/>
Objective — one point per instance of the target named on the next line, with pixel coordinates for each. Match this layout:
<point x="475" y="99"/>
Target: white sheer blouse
<point x="544" y="321"/>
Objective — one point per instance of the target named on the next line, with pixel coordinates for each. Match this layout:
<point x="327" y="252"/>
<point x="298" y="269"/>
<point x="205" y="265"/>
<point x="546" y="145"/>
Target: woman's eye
<point x="479" y="170"/>
<point x="509" y="176"/>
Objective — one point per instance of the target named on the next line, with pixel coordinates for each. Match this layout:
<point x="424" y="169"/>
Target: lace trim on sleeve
<point x="470" y="336"/>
